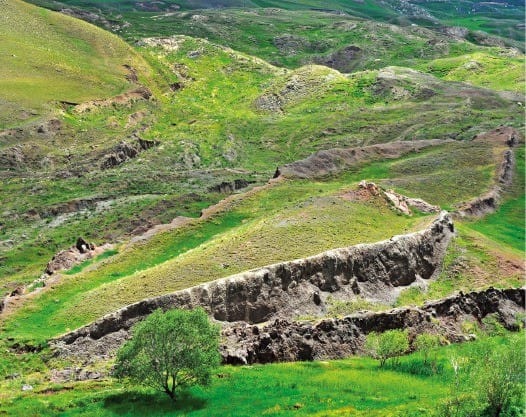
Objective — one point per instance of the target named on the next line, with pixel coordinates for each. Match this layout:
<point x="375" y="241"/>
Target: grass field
<point x="354" y="386"/>
<point x="287" y="220"/>
<point x="211" y="131"/>
<point x="502" y="20"/>
<point x="219" y="114"/>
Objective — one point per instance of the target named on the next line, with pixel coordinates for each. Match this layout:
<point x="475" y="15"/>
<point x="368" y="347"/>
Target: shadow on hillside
<point x="143" y="404"/>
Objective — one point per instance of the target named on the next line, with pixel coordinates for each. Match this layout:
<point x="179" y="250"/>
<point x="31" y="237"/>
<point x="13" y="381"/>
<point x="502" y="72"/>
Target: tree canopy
<point x="170" y="350"/>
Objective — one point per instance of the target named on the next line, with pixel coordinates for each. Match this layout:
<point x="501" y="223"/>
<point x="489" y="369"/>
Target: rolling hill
<point x="230" y="138"/>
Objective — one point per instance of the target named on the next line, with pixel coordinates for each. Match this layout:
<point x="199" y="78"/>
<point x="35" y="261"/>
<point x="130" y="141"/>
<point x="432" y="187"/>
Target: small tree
<point x="425" y="343"/>
<point x="171" y="350"/>
<point x="387" y="345"/>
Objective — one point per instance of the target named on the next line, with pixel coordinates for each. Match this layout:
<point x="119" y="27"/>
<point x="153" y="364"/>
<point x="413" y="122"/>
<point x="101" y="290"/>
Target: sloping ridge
<point x="374" y="271"/>
<point x="488" y="202"/>
<point x="334" y="161"/>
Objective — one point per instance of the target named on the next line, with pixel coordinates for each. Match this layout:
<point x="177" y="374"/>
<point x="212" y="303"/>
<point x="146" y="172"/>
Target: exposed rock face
<point x="228" y="187"/>
<point x="290" y="289"/>
<point x="125" y="150"/>
<point x="125" y="99"/>
<point x="72" y="206"/>
<point x="343" y="59"/>
<point x="284" y="340"/>
<point x="488" y="202"/>
<point x="336" y="160"/>
<point x="403" y="203"/>
<point x="68" y="258"/>
<point x="13" y="157"/>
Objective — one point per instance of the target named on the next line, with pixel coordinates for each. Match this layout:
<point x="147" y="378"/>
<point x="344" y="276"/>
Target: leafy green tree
<point x="387" y="345"/>
<point x="426" y="343"/>
<point x="169" y="351"/>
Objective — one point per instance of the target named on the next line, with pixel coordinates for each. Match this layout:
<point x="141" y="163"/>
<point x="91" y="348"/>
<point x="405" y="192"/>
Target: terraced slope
<point x="47" y="58"/>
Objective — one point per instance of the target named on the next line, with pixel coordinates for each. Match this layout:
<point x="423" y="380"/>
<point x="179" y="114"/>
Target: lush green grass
<point x="292" y="38"/>
<point x="496" y="18"/>
<point x="507" y="224"/>
<point x="272" y="225"/>
<point x="47" y="57"/>
<point x="77" y="268"/>
<point x="288" y="220"/>
<point x="498" y="72"/>
<point x="355" y="386"/>
<point x="212" y="125"/>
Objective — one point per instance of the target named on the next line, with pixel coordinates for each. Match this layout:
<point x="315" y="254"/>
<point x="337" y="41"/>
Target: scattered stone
<point x="27" y="387"/>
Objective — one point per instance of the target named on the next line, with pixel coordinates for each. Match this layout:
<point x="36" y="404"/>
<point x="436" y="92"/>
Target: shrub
<point x="500" y="379"/>
<point x="426" y="343"/>
<point x="169" y="351"/>
<point x="387" y="345"/>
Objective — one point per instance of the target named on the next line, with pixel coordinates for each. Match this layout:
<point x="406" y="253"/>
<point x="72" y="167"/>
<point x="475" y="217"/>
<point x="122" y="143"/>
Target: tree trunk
<point x="171" y="394"/>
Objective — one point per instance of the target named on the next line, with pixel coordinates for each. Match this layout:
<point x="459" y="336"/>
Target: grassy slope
<point x="288" y="212"/>
<point x="47" y="57"/>
<point x="212" y="125"/>
<point x="355" y="386"/>
<point x="487" y="252"/>
<point x="494" y="18"/>
<point x="496" y="72"/>
<point x="288" y="220"/>
<point x="506" y="225"/>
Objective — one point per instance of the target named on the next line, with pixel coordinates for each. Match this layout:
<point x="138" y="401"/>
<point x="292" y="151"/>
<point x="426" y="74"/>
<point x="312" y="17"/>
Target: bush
<point x="387" y="345"/>
<point x="169" y="351"/>
<point x="500" y="380"/>
<point x="426" y="343"/>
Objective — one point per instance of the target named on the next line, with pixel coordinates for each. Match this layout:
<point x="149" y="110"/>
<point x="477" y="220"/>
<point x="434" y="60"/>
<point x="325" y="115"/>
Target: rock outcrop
<point x="125" y="99"/>
<point x="403" y="203"/>
<point x="227" y="187"/>
<point x="488" y="202"/>
<point x="334" y="161"/>
<point x="284" y="340"/>
<point x="125" y="151"/>
<point x="290" y="289"/>
<point x="68" y="258"/>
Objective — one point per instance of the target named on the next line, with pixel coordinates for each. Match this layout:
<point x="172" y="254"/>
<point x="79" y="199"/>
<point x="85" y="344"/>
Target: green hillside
<point x="503" y="19"/>
<point x="162" y="152"/>
<point x="47" y="58"/>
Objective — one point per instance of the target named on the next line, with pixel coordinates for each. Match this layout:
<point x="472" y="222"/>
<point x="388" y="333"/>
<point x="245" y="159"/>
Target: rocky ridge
<point x="334" y="161"/>
<point x="290" y="289"/>
<point x="488" y="202"/>
<point x="284" y="340"/>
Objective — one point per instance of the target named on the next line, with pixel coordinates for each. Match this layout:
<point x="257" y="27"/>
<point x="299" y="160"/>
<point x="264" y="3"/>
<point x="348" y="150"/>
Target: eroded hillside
<point x="182" y="172"/>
